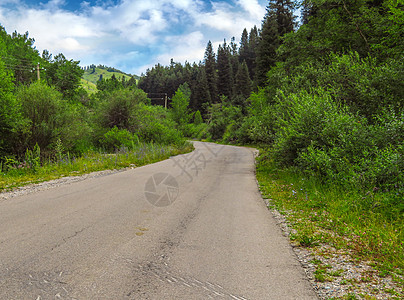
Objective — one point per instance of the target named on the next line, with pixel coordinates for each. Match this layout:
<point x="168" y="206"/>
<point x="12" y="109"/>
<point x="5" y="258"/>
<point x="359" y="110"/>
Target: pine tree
<point x="211" y="76"/>
<point x="200" y="91"/>
<point x="243" y="82"/>
<point x="198" y="118"/>
<point x="225" y="76"/>
<point x="248" y="49"/>
<point x="278" y="21"/>
<point x="266" y="51"/>
<point x="244" y="46"/>
<point x="234" y="59"/>
<point x="253" y="40"/>
<point x="131" y="82"/>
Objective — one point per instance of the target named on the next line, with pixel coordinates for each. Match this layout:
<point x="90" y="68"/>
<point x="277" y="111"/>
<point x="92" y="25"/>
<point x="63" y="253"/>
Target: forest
<point x="322" y="97"/>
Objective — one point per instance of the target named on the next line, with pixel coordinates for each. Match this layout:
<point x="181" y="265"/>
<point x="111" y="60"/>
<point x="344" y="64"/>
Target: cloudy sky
<point x="131" y="35"/>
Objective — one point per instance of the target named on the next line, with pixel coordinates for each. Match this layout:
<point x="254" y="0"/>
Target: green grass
<point x="89" y="79"/>
<point x="89" y="86"/>
<point x="89" y="162"/>
<point x="94" y="77"/>
<point x="367" y="224"/>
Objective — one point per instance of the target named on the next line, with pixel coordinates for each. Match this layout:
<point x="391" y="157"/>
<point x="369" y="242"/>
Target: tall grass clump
<point x="367" y="225"/>
<point x="15" y="174"/>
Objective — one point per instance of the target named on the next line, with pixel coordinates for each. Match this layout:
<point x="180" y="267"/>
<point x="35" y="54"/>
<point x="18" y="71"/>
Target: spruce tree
<point x="210" y="69"/>
<point x="243" y="82"/>
<point x="131" y="82"/>
<point x="278" y="21"/>
<point x="200" y="91"/>
<point x="234" y="59"/>
<point x="244" y="46"/>
<point x="225" y="76"/>
<point x="253" y="40"/>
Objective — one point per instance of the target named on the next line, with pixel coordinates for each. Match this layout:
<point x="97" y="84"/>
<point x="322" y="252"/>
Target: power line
<point x="19" y="68"/>
<point x="13" y="58"/>
<point x="163" y="98"/>
<point x="17" y="65"/>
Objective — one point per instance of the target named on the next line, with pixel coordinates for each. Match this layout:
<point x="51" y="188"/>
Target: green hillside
<point x="88" y="86"/>
<point x="92" y="75"/>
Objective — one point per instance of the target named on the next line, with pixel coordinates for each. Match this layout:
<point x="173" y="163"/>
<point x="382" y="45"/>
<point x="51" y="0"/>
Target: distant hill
<point x="92" y="75"/>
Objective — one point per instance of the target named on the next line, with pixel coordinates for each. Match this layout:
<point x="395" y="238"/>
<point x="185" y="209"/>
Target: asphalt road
<point x="191" y="227"/>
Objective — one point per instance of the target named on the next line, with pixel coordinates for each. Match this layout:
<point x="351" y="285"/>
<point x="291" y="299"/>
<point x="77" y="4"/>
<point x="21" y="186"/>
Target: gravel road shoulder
<point x="46" y="185"/>
<point x="357" y="279"/>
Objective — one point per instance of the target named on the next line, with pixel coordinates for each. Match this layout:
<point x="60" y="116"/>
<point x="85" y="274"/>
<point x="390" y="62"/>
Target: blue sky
<point x="131" y="35"/>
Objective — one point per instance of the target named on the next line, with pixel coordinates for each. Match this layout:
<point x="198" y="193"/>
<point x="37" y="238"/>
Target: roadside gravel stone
<point x="357" y="278"/>
<point x="46" y="185"/>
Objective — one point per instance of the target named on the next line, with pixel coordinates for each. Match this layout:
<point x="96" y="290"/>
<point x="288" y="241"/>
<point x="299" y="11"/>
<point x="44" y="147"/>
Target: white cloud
<point x="54" y="4"/>
<point x="57" y="31"/>
<point x="256" y="10"/>
<point x="226" y="18"/>
<point x="189" y="48"/>
<point x="162" y="29"/>
<point x="70" y="45"/>
<point x="143" y="31"/>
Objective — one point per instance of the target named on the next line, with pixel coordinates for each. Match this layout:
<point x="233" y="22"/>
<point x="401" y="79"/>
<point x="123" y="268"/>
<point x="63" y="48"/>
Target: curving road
<point x="191" y="227"/>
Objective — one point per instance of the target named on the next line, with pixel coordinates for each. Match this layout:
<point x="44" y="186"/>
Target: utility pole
<point x="165" y="101"/>
<point x="38" y="72"/>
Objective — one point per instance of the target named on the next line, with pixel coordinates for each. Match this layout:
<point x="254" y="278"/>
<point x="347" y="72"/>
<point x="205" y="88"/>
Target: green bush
<point x="117" y="138"/>
<point x="198" y="118"/>
<point x="259" y="125"/>
<point x="364" y="84"/>
<point x="153" y="124"/>
<point x="117" y="108"/>
<point x="326" y="140"/>
<point x="224" y="118"/>
<point x="300" y="122"/>
<point x="49" y="118"/>
<point x="340" y="119"/>
<point x="10" y="114"/>
<point x="180" y="102"/>
<point x="33" y="158"/>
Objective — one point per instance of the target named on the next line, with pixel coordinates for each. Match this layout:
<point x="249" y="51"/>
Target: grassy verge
<point x="367" y="226"/>
<point x="90" y="162"/>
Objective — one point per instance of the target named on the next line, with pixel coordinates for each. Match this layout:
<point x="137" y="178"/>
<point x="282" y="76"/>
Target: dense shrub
<point x="48" y="118"/>
<point x="153" y="124"/>
<point x="365" y="85"/>
<point x="117" y="108"/>
<point x="117" y="138"/>
<point x="224" y="120"/>
<point x="340" y="119"/>
<point x="180" y="102"/>
<point x="259" y="125"/>
<point x="198" y="118"/>
<point x="325" y="139"/>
